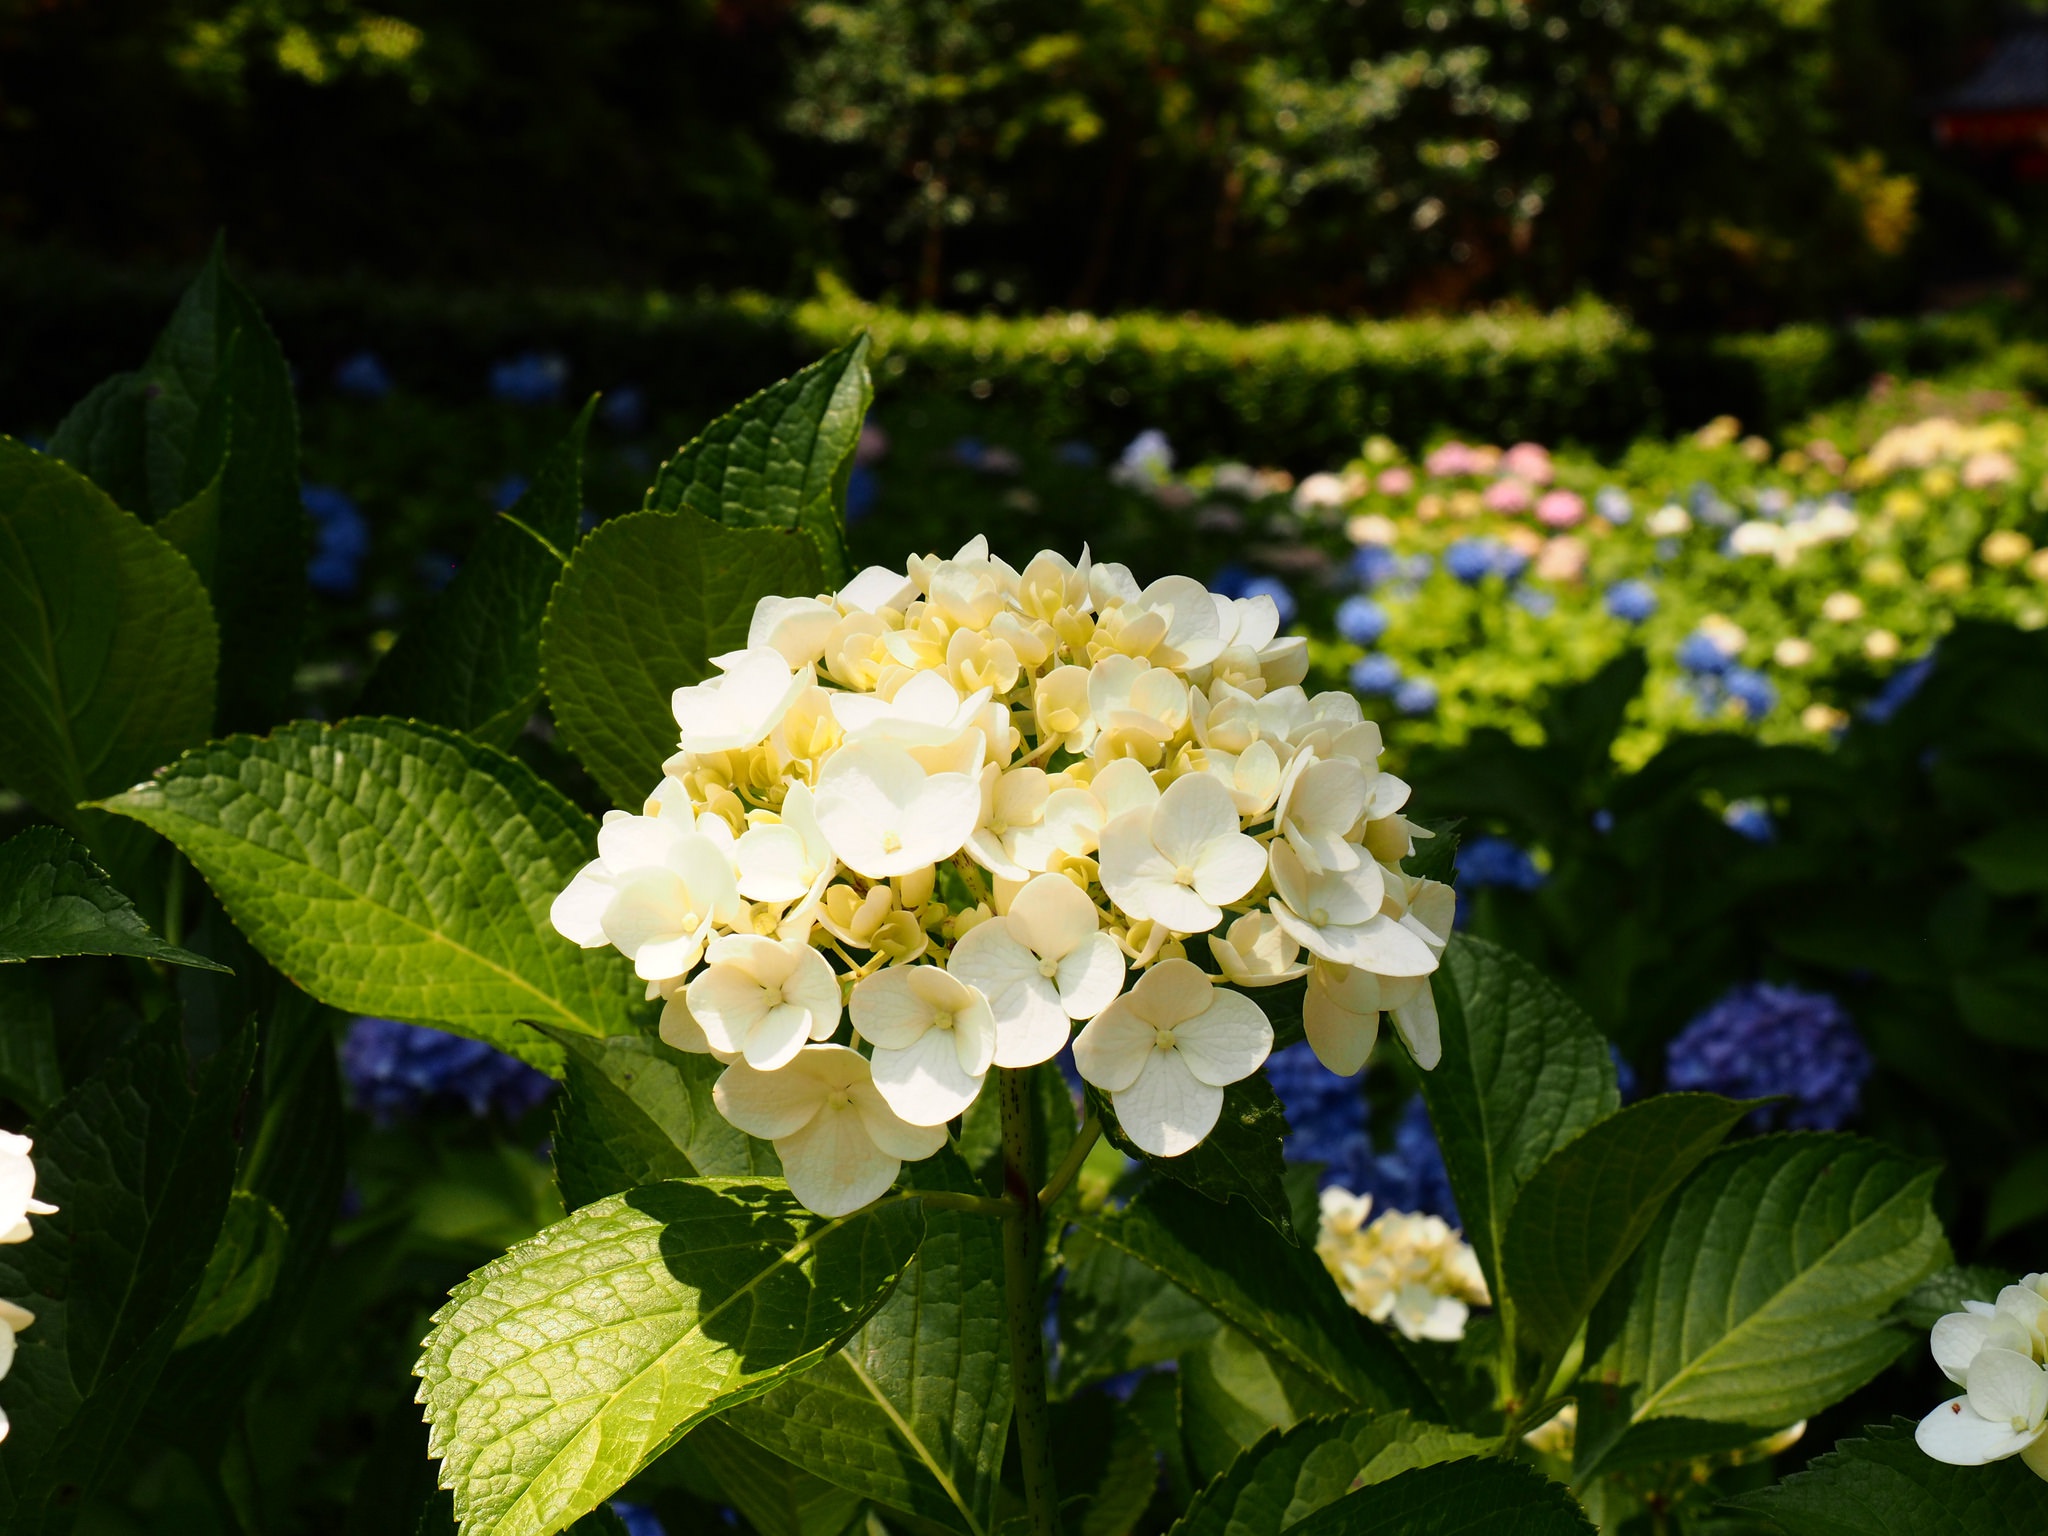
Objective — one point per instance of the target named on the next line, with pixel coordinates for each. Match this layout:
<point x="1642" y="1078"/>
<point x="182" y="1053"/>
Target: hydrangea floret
<point x="1997" y="1352"/>
<point x="936" y="823"/>
<point x="1406" y="1268"/>
<point x="18" y="1202"/>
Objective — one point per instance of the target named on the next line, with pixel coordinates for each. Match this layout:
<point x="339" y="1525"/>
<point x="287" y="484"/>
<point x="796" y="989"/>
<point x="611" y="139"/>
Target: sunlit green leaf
<point x="55" y="901"/>
<point x="1885" y="1485"/>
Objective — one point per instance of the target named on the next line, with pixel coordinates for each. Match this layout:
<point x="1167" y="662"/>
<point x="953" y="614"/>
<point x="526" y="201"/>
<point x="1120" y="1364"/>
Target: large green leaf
<point x="473" y="659"/>
<point x="914" y="1411"/>
<point x="1523" y="1072"/>
<point x="632" y="1112"/>
<point x="1761" y="1295"/>
<point x="646" y="603"/>
<point x="55" y="901"/>
<point x="1117" y="1315"/>
<point x="1583" y="1212"/>
<point x="397" y="869"/>
<point x="219" y="407"/>
<point x="1228" y="1259"/>
<point x="1240" y="1159"/>
<point x="776" y="1498"/>
<point x="1233" y="1394"/>
<point x="559" y="1370"/>
<point x="1454" y="1498"/>
<point x="140" y="1168"/>
<point x="1887" y="1486"/>
<point x="1289" y="1475"/>
<point x="780" y="460"/>
<point x="107" y="642"/>
<point x="103" y="438"/>
<point x="30" y="1073"/>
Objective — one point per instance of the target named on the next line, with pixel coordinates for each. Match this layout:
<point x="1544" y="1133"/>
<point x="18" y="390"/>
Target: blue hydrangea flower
<point x="1236" y="581"/>
<point x="1328" y="1123"/>
<point x="1361" y="620"/>
<point x="1470" y="560"/>
<point x="1624" y="1074"/>
<point x="1708" y="507"/>
<point x="362" y="374"/>
<point x="638" y="1519"/>
<point x="1632" y="601"/>
<point x="1535" y="600"/>
<point x="1698" y="654"/>
<point x="532" y="378"/>
<point x="1613" y="504"/>
<point x="863" y="490"/>
<point x="1750" y="819"/>
<point x="624" y="410"/>
<point x="1898" y="690"/>
<point x="1756" y="693"/>
<point x="394" y="1070"/>
<point x="1485" y="860"/>
<point x="1146" y="462"/>
<point x="1603" y="821"/>
<point x="1416" y="696"/>
<point x="506" y="493"/>
<point x="1418" y="567"/>
<point x="1763" y="1040"/>
<point x="341" y="539"/>
<point x="1375" y="675"/>
<point x="1375" y="564"/>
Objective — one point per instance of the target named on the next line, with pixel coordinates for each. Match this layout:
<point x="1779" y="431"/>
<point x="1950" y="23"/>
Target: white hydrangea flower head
<point x="1042" y="965"/>
<point x="18" y="1199"/>
<point x="934" y="1038"/>
<point x="1404" y="1268"/>
<point x="1166" y="1050"/>
<point x="840" y="1143"/>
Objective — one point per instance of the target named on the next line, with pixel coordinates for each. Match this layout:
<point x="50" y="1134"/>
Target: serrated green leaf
<point x="102" y="438"/>
<point x="632" y="1112"/>
<point x="914" y="1411"/>
<point x="400" y="870"/>
<point x="107" y="642"/>
<point x="1288" y="1475"/>
<point x="219" y="405"/>
<point x="140" y="1168"/>
<point x="780" y="460"/>
<point x="1117" y="1315"/>
<point x="1523" y="1072"/>
<point x="193" y="529"/>
<point x="1280" y="1296"/>
<point x="1232" y="1394"/>
<point x="55" y="901"/>
<point x="1590" y="1203"/>
<point x="559" y="1370"/>
<point x="472" y="661"/>
<point x="645" y="604"/>
<point x="776" y="1498"/>
<point x="1454" y="1498"/>
<point x="1946" y="1290"/>
<point x="243" y="1270"/>
<point x="1760" y="1296"/>
<point x="30" y="1073"/>
<point x="1239" y="1160"/>
<point x="1886" y="1485"/>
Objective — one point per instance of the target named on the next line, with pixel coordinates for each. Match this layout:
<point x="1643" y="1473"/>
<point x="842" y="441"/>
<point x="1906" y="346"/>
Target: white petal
<point x="1228" y="868"/>
<point x="767" y="1104"/>
<point x="889" y="1009"/>
<point x="578" y="913"/>
<point x="2005" y="1384"/>
<point x="1172" y="992"/>
<point x="1053" y="916"/>
<point x="1416" y="1021"/>
<point x="1166" y="1111"/>
<point x="890" y="1131"/>
<point x="1124" y="786"/>
<point x="1341" y="1038"/>
<point x="1194" y="812"/>
<point x="1228" y="1042"/>
<point x="680" y="1030"/>
<point x="773" y="864"/>
<point x="1090" y="977"/>
<point x="794" y="626"/>
<point x="1381" y="946"/>
<point x="1955" y="1340"/>
<point x="877" y="588"/>
<point x="1954" y="1433"/>
<point x="1113" y="1049"/>
<point x="1030" y="1024"/>
<point x="924" y="1082"/>
<point x="774" y="1042"/>
<point x="833" y="1165"/>
<point x="728" y="1003"/>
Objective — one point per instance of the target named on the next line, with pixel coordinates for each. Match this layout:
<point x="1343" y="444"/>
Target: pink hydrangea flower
<point x="1453" y="458"/>
<point x="1530" y="462"/>
<point x="1508" y="495"/>
<point x="1398" y="481"/>
<point x="1561" y="509"/>
<point x="1562" y="559"/>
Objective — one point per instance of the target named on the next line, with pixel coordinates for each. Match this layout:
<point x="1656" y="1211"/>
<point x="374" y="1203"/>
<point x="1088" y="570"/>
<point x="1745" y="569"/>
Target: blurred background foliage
<point x="1703" y="163"/>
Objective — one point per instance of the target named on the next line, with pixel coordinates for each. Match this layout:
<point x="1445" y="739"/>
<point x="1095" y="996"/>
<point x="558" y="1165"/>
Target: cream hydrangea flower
<point x="1166" y="1050"/>
<point x="739" y="707"/>
<point x="762" y="999"/>
<point x="1336" y="915"/>
<point x="1180" y="861"/>
<point x="934" y="1039"/>
<point x="2018" y="1320"/>
<point x="1404" y="1268"/>
<point x="18" y="1199"/>
<point x="840" y="1143"/>
<point x="796" y="627"/>
<point x="787" y="861"/>
<point x="2003" y="1412"/>
<point x="884" y="815"/>
<point x="1026" y="822"/>
<point x="1043" y="964"/>
<point x="1257" y="952"/>
<point x="656" y="891"/>
<point x="1320" y="800"/>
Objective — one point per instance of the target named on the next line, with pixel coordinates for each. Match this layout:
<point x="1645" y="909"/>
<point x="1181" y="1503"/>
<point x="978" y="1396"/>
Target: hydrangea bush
<point x="876" y="857"/>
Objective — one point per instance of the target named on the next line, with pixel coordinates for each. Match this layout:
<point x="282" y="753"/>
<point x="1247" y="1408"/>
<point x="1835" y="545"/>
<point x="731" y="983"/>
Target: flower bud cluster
<point x="1401" y="1267"/>
<point x="18" y="1202"/>
<point x="955" y="808"/>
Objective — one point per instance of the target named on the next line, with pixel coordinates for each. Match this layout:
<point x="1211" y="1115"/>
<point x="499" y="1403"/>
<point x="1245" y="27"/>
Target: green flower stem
<point x="979" y="1205"/>
<point x="1023" y="1255"/>
<point x="1070" y="1165"/>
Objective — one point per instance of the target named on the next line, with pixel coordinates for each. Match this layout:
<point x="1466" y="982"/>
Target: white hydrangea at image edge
<point x="18" y="1202"/>
<point x="1107" y="770"/>
<point x="1998" y="1353"/>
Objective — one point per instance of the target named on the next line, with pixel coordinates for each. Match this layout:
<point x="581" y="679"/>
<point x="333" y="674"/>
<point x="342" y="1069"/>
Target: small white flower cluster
<point x="1998" y="1354"/>
<point x="1400" y="1267"/>
<point x="964" y="802"/>
<point x="18" y="1202"/>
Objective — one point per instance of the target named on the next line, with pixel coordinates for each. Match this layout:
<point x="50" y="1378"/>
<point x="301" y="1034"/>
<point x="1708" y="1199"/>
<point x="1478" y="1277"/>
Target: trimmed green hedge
<point x="1300" y="392"/>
